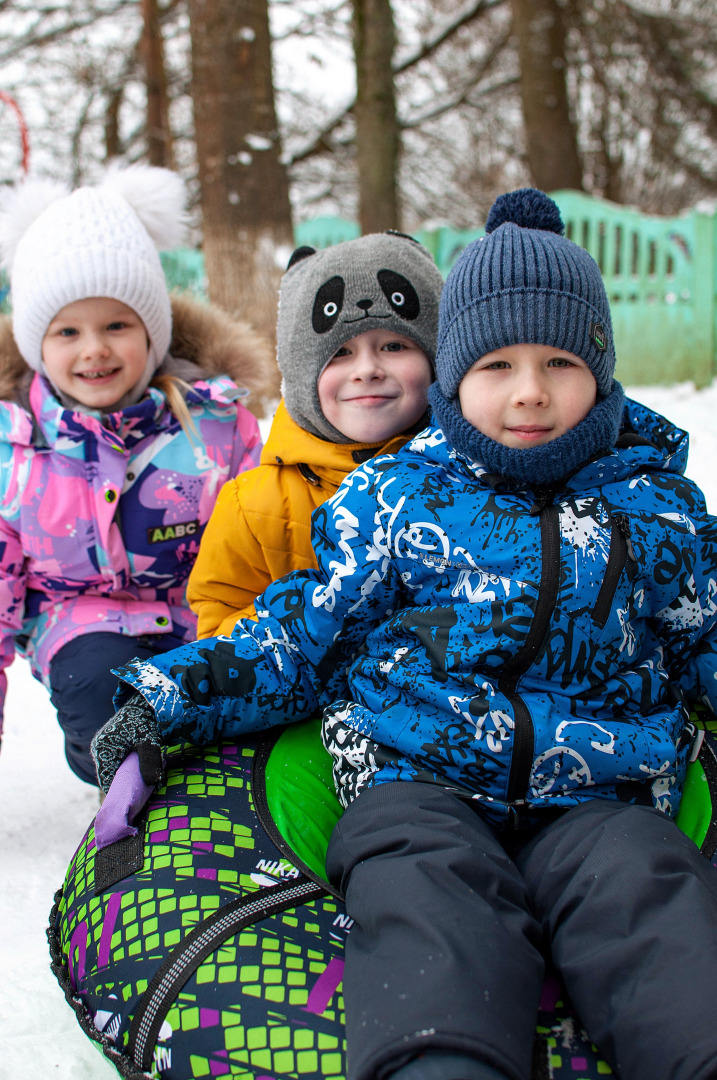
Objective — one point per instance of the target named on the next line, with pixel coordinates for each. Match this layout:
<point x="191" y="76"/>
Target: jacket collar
<point x="647" y="443"/>
<point x="53" y="423"/>
<point x="289" y="444"/>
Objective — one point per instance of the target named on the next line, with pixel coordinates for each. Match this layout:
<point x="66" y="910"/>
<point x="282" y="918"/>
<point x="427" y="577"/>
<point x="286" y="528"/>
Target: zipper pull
<point x="308" y="474"/>
<point x="543" y="498"/>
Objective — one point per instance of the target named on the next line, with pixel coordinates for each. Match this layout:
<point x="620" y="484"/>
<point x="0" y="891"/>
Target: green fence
<point x="660" y="277"/>
<point x="659" y="273"/>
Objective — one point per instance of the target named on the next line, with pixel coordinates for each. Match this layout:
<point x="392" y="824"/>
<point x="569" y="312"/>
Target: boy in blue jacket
<point x="507" y="621"/>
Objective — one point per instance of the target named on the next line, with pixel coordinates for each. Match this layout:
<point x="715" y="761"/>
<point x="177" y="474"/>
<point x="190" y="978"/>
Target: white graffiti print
<point x="422" y="538"/>
<point x="588" y="536"/>
<point x="354" y="754"/>
<point x="494" y="727"/>
<point x="347" y="530"/>
<point x="543" y="780"/>
<point x="605" y="747"/>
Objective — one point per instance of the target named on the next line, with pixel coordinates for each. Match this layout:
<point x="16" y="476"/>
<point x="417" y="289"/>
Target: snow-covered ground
<point x="45" y="811"/>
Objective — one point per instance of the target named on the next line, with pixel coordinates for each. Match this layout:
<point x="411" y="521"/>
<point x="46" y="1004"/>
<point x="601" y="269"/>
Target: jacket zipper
<point x="620" y="552"/>
<point x="523" y="733"/>
<point x="308" y="474"/>
<point x="200" y="943"/>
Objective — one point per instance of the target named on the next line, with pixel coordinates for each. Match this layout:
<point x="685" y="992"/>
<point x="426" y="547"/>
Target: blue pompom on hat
<point x="524" y="283"/>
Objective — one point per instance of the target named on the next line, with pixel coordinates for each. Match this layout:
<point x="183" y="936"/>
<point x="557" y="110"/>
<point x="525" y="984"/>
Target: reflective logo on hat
<point x="598" y="335"/>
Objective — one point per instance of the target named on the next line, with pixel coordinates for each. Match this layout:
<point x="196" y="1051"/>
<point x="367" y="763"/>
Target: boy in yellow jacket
<point x="356" y="340"/>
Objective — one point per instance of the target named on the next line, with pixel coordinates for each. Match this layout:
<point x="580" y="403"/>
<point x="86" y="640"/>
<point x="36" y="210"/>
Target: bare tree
<point x="377" y="134"/>
<point x="647" y="99"/>
<point x="244" y="186"/>
<point x="159" y="135"/>
<point x="550" y="133"/>
<point x="639" y="78"/>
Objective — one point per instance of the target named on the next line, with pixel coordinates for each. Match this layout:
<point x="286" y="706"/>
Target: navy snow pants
<point x="450" y="931"/>
<point x="82" y="687"/>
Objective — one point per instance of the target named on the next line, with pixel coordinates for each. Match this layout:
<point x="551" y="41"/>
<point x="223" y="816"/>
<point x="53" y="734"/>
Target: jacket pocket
<point x="620" y="555"/>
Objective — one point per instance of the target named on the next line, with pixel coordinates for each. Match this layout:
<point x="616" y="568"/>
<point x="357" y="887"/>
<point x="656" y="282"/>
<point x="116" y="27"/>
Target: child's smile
<point x="534" y="433"/>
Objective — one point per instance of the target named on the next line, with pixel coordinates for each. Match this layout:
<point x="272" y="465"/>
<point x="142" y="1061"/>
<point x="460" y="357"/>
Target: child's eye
<point x="497" y="365"/>
<point x="393" y="346"/>
<point x="559" y="361"/>
<point x="68" y="331"/>
<point x="117" y="326"/>
<point x="343" y="351"/>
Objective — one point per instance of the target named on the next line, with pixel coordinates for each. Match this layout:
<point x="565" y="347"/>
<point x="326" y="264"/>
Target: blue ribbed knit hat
<point x="523" y="283"/>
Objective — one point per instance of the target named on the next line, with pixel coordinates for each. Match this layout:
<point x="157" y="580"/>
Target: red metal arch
<point x="24" y="134"/>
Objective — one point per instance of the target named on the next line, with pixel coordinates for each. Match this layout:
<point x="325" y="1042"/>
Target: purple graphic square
<point x="208" y="873"/>
<point x="158" y="837"/>
<point x="208" y="1017"/>
<point x="179" y="823"/>
<point x="578" y="1064"/>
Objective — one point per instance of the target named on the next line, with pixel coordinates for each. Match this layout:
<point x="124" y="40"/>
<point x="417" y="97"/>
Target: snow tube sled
<point x="211" y="944"/>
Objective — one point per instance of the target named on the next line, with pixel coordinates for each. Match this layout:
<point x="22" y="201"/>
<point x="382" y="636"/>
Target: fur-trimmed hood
<point x="202" y="334"/>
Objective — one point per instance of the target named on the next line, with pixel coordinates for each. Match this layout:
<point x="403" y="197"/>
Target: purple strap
<point x="127" y="795"/>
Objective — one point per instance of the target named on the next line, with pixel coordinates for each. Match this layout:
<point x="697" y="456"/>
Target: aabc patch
<point x="178" y="531"/>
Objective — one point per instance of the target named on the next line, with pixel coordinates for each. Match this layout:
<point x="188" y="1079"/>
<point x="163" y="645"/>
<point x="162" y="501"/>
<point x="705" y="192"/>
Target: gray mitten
<point x="133" y="727"/>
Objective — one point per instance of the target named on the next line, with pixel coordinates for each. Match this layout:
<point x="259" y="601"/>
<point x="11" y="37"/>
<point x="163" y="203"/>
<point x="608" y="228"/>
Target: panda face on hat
<point x="381" y="281"/>
<point x="395" y="295"/>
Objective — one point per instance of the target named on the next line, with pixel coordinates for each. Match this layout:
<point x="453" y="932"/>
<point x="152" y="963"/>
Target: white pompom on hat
<point x="60" y="247"/>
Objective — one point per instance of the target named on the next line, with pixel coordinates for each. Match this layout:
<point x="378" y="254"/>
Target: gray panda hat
<point x="382" y="281"/>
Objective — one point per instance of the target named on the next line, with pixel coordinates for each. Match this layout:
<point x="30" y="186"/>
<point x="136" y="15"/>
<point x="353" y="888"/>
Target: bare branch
<point x="428" y="47"/>
<point x="33" y="38"/>
<point x="323" y="142"/>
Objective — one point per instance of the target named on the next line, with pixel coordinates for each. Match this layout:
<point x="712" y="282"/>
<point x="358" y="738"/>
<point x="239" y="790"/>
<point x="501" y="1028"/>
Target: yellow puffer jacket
<point x="260" y="528"/>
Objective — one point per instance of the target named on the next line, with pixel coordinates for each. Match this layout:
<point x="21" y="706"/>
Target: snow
<point x="46" y="811"/>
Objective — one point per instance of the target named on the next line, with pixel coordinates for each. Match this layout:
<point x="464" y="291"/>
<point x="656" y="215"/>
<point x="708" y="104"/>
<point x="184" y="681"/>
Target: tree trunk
<point x="113" y="144"/>
<point x="159" y="136"/>
<point x="551" y="138"/>
<point x="377" y="136"/>
<point x="243" y="182"/>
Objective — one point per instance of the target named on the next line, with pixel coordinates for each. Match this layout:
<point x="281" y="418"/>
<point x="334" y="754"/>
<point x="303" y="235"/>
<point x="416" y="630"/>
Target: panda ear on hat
<point x="301" y="253"/>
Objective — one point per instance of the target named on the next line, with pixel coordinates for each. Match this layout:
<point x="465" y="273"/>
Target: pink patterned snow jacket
<point x="100" y="518"/>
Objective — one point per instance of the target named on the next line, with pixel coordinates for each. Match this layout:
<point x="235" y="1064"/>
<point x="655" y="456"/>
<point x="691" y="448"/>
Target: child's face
<point x="527" y="395"/>
<point x="375" y="386"/>
<point x="96" y="351"/>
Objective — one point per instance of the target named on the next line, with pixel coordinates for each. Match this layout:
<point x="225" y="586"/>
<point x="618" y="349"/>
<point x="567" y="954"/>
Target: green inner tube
<point x="300" y="792"/>
<point x="302" y="800"/>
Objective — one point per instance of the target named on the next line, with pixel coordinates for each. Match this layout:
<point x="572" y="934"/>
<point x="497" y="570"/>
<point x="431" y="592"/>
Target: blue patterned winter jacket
<point x="527" y="648"/>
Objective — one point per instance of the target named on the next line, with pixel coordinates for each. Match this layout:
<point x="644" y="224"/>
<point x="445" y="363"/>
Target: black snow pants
<point x="450" y="934"/>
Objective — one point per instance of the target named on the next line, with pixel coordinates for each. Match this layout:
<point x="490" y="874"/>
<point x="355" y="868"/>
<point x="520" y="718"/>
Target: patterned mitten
<point x="133" y="727"/>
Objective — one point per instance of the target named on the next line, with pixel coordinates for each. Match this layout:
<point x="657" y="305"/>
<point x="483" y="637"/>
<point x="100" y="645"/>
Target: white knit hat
<point x="97" y="241"/>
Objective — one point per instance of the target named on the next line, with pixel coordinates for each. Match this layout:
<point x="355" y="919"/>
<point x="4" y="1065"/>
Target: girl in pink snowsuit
<point x="119" y="423"/>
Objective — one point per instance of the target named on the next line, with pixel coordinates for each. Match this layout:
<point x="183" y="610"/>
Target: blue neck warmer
<point x="538" y="466"/>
